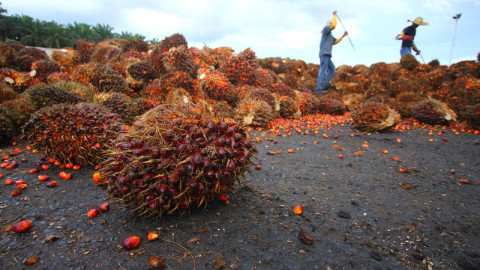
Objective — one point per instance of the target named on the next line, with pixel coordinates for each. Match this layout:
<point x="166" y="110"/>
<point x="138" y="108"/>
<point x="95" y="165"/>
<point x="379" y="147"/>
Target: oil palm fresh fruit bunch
<point x="405" y="101"/>
<point x="307" y="103"/>
<point x="374" y="116"/>
<point x="72" y="133"/>
<point x="215" y="85"/>
<point x="282" y="89"/>
<point x="253" y="112"/>
<point x="19" y="81"/>
<point x="179" y="59"/>
<point x="288" y="108"/>
<point x="409" y="62"/>
<point x="8" y="55"/>
<point x="134" y="44"/>
<point x="172" y="41"/>
<point x="240" y="68"/>
<point x="118" y="103"/>
<point x="329" y="105"/>
<point x="174" y="159"/>
<point x="6" y="92"/>
<point x="18" y="111"/>
<point x="85" y="50"/>
<point x="433" y="112"/>
<point x="47" y="95"/>
<point x="106" y="79"/>
<point x="42" y="68"/>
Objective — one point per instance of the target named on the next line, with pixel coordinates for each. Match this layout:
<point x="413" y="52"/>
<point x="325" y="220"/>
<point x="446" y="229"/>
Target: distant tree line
<point x="38" y="33"/>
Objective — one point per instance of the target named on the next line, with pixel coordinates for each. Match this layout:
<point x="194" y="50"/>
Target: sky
<point x="282" y="28"/>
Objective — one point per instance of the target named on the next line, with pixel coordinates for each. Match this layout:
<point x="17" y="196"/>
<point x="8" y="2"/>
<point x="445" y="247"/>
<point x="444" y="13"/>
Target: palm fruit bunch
<point x="84" y="73"/>
<point x="18" y="111"/>
<point x="78" y="134"/>
<point x="374" y="116"/>
<point x="155" y="59"/>
<point x="42" y="68"/>
<point x="362" y="81"/>
<point x="105" y="52"/>
<point x="221" y="109"/>
<point x="17" y="80"/>
<point x="178" y="79"/>
<point x="204" y="58"/>
<point x="288" y="108"/>
<point x="179" y="59"/>
<point x="28" y="55"/>
<point x="409" y="62"/>
<point x="253" y="112"/>
<point x="7" y="131"/>
<point x="471" y="114"/>
<point x="402" y="85"/>
<point x="85" y="50"/>
<point x="289" y="79"/>
<point x="155" y="89"/>
<point x="307" y="103"/>
<point x="276" y="64"/>
<point x="433" y="112"/>
<point x="135" y="45"/>
<point x="174" y="159"/>
<point x="8" y="55"/>
<point x="67" y="58"/>
<point x="47" y="95"/>
<point x="240" y="68"/>
<point x="58" y="77"/>
<point x="215" y="85"/>
<point x="330" y="105"/>
<point x="264" y="77"/>
<point x="282" y="89"/>
<point x="106" y="79"/>
<point x="118" y="103"/>
<point x="174" y="40"/>
<point x="85" y="92"/>
<point x="405" y="101"/>
<point x="141" y="71"/>
<point x="6" y="92"/>
<point x="262" y="94"/>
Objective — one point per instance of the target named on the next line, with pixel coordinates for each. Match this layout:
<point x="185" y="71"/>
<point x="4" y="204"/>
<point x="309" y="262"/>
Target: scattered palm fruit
<point x="373" y="116"/>
<point x="156" y="263"/>
<point x="131" y="242"/>
<point x="298" y="210"/>
<point x="105" y="206"/>
<point x="92" y="213"/>
<point x="22" y="226"/>
<point x="152" y="236"/>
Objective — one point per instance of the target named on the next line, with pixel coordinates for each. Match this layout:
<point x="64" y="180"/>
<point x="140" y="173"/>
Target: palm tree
<point x="102" y="32"/>
<point x="81" y="31"/>
<point x="56" y="36"/>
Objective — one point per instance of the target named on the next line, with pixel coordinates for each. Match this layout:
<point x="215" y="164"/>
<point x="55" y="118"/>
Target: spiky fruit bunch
<point x="221" y="109"/>
<point x="104" y="53"/>
<point x="85" y="92"/>
<point x="58" y="77"/>
<point x="374" y="116"/>
<point x="18" y="111"/>
<point x="67" y="58"/>
<point x="42" y="68"/>
<point x="409" y="62"/>
<point x="174" y="159"/>
<point x="78" y="134"/>
<point x="433" y="112"/>
<point x="47" y="95"/>
<point x="276" y="64"/>
<point x="472" y="115"/>
<point x="8" y="55"/>
<point x="329" y="105"/>
<point x="24" y="63"/>
<point x="405" y="101"/>
<point x="118" y="103"/>
<point x="106" y="79"/>
<point x="179" y="59"/>
<point x="135" y="45"/>
<point x="6" y="92"/>
<point x="36" y="53"/>
<point x="262" y="94"/>
<point x="155" y="90"/>
<point x="434" y="63"/>
<point x="174" y="40"/>
<point x="17" y="80"/>
<point x="240" y="68"/>
<point x="178" y="79"/>
<point x="142" y="71"/>
<point x="253" y="112"/>
<point x="282" y="90"/>
<point x="7" y="130"/>
<point x="215" y="85"/>
<point x="380" y="69"/>
<point x="307" y="103"/>
<point x="264" y="77"/>
<point x="85" y="50"/>
<point x="404" y="85"/>
<point x="288" y="108"/>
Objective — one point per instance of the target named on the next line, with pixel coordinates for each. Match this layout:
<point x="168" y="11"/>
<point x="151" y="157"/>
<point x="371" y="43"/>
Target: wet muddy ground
<point x="363" y="209"/>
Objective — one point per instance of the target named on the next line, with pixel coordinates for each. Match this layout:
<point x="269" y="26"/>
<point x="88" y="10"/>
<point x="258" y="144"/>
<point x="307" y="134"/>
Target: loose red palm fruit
<point x="131" y="242"/>
<point x="105" y="206"/>
<point x="92" y="213"/>
<point x="22" y="226"/>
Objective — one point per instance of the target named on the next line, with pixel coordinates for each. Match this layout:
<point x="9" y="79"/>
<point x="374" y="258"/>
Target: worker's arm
<point x="416" y="49"/>
<point x="402" y="36"/>
<point x="333" y="24"/>
<point x="340" y="39"/>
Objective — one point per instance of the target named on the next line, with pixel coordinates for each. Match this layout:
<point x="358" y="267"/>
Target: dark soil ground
<point x="361" y="211"/>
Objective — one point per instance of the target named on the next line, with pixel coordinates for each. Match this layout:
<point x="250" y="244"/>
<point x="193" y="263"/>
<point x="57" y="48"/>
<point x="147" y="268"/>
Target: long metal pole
<point x="453" y="42"/>
<point x="345" y="31"/>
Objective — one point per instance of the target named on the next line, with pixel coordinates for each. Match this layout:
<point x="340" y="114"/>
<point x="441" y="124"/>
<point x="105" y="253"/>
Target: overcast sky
<point x="282" y="28"/>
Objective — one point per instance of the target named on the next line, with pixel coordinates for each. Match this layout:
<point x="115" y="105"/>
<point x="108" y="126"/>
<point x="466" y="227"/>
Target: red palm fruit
<point x="22" y="186"/>
<point x="19" y="182"/>
<point x="96" y="177"/>
<point x="22" y="226"/>
<point x="51" y="160"/>
<point x="62" y="175"/>
<point x="105" y="206"/>
<point x="43" y="177"/>
<point x="8" y="181"/>
<point x="16" y="191"/>
<point x="68" y="165"/>
<point x="258" y="167"/>
<point x="156" y="263"/>
<point x="44" y="167"/>
<point x="76" y="167"/>
<point x="35" y="170"/>
<point x="51" y="184"/>
<point x="92" y="213"/>
<point x="152" y="236"/>
<point x="68" y="176"/>
<point x="131" y="242"/>
<point x="1" y="175"/>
